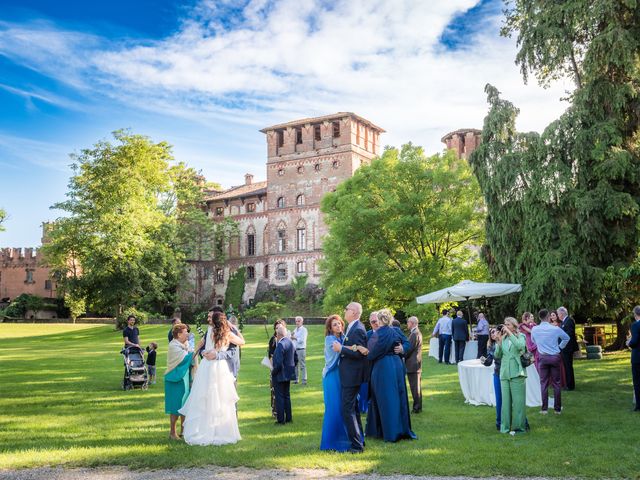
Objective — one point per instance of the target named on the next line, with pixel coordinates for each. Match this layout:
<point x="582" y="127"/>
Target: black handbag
<point x="526" y="359"/>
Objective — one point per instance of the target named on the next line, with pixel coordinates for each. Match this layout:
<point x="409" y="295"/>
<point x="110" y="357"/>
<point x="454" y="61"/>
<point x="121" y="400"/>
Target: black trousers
<point x="460" y="344"/>
<point x="567" y="360"/>
<point x="415" y="384"/>
<point x="351" y="416"/>
<point x="482" y="345"/>
<point x="635" y="373"/>
<point x="283" y="401"/>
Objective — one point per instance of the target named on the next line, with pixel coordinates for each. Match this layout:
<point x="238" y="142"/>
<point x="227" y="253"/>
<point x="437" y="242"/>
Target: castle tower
<point x="306" y="159"/>
<point x="464" y="141"/>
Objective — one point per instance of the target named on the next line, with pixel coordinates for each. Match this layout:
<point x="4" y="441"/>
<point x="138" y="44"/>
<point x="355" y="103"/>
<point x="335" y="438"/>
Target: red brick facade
<point x="21" y="271"/>
<point x="463" y="141"/>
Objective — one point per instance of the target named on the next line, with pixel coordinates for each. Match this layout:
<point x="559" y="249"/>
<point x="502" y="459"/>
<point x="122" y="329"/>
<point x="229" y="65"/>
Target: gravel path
<point x="218" y="473"/>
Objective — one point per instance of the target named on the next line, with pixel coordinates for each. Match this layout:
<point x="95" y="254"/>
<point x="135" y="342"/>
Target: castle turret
<point x="464" y="141"/>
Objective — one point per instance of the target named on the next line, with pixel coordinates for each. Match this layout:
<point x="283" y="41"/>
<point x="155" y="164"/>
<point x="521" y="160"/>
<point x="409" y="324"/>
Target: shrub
<point x="19" y="306"/>
<point x="141" y="317"/>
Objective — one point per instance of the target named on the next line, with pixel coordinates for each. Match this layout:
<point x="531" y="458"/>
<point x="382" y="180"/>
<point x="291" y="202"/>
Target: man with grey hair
<point x="633" y="343"/>
<point x="413" y="363"/>
<point x="299" y="338"/>
<point x="569" y="327"/>
<point x="353" y="369"/>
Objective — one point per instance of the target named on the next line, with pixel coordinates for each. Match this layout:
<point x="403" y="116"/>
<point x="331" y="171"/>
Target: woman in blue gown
<point x="388" y="415"/>
<point x="334" y="433"/>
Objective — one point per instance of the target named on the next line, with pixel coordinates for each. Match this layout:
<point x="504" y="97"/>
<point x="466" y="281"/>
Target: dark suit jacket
<point x="413" y="356"/>
<point x="634" y="343"/>
<point x="460" y="329"/>
<point x="284" y="365"/>
<point x="569" y="327"/>
<point x="353" y="365"/>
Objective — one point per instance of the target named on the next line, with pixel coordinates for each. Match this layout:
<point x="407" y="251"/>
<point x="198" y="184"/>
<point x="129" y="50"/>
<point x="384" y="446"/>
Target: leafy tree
<point x="3" y="216"/>
<point x="403" y="226"/>
<point x="563" y="206"/>
<point x="114" y="247"/>
<point x="76" y="306"/>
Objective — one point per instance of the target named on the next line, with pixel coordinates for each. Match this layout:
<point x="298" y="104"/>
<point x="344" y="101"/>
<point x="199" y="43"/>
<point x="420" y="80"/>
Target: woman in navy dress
<point x="334" y="433"/>
<point x="388" y="415"/>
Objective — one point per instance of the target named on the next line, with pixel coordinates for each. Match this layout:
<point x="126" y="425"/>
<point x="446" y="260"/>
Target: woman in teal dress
<point x="176" y="377"/>
<point x="334" y="433"/>
<point x="513" y="378"/>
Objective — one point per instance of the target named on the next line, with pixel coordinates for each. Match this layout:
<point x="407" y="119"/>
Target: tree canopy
<point x="402" y="226"/>
<point x="3" y="216"/>
<point x="562" y="207"/>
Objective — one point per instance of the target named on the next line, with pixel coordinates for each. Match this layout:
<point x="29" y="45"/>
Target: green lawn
<point x="61" y="404"/>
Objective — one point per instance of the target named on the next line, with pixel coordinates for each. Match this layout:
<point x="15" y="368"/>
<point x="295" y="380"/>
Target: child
<point x="151" y="362"/>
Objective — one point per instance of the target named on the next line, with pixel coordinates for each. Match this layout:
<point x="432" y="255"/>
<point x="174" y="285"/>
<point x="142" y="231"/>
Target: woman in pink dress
<point x="555" y="320"/>
<point x="528" y="322"/>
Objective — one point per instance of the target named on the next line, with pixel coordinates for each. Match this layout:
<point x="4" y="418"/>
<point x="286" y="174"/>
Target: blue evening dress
<point x="334" y="433"/>
<point x="388" y="415"/>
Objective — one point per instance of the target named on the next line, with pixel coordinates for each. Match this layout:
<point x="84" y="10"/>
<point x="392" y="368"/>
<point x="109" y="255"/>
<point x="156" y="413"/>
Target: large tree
<point x="400" y="227"/>
<point x="563" y="206"/>
<point x="114" y="247"/>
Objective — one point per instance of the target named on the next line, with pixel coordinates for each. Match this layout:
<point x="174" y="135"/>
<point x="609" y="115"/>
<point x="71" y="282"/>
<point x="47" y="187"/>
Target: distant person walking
<point x="413" y="363"/>
<point x="299" y="338"/>
<point x="482" y="332"/>
<point x="634" y="344"/>
<point x="442" y="331"/>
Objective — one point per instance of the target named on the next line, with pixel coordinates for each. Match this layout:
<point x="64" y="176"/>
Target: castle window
<point x="300" y="169"/>
<point x="219" y="275"/>
<point x="298" y="136"/>
<point x="265" y="271"/>
<point x="251" y="207"/>
<point x="47" y="284"/>
<point x="281" y="271"/>
<point x="335" y="164"/>
<point x="251" y="245"/>
<point x="301" y="267"/>
<point x="280" y="172"/>
<point x="219" y="211"/>
<point x="316" y="167"/>
<point x="336" y="129"/>
<point x="251" y="273"/>
<point x="280" y="202"/>
<point x="316" y="133"/>
<point x="301" y="239"/>
<point x="300" y="200"/>
<point x="29" y="278"/>
<point x="280" y="134"/>
<point x="282" y="240"/>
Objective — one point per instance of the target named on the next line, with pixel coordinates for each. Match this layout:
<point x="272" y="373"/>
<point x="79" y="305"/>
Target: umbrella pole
<point x="469" y="311"/>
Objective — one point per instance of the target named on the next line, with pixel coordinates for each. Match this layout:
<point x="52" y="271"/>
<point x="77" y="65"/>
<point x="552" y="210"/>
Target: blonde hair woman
<point x="388" y="415"/>
<point x="510" y="345"/>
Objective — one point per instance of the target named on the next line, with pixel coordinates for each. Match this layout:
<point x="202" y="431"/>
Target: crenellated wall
<point x="22" y="270"/>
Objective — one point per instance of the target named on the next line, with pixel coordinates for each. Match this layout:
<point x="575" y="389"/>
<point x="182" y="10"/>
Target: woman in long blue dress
<point x="176" y="377"/>
<point x="334" y="433"/>
<point x="388" y="415"/>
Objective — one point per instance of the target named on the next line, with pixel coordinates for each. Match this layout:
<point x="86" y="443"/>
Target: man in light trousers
<point x="299" y="337"/>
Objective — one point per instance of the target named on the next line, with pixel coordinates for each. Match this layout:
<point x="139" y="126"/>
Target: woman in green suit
<point x="176" y="377"/>
<point x="513" y="377"/>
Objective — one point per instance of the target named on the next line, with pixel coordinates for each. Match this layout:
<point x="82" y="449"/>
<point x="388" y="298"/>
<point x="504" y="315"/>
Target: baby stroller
<point x="135" y="370"/>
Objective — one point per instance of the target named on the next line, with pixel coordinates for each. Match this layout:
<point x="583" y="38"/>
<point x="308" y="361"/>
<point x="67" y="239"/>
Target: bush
<point x="19" y="306"/>
<point x="141" y="317"/>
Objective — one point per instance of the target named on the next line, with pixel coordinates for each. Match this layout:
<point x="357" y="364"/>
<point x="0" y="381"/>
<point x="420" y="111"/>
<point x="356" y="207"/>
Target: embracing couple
<point x="210" y="416"/>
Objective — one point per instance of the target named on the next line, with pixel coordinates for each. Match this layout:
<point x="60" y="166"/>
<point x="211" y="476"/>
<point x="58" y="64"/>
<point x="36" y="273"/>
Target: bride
<point x="210" y="410"/>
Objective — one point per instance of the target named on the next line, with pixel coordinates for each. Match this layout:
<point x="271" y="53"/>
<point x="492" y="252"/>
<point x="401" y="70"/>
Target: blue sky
<point x="206" y="75"/>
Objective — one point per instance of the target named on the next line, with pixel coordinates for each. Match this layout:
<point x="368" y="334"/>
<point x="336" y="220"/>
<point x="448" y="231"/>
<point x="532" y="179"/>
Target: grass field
<point x="61" y="404"/>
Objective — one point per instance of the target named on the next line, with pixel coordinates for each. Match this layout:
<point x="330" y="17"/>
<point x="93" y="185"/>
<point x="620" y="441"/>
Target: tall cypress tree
<point x="563" y="206"/>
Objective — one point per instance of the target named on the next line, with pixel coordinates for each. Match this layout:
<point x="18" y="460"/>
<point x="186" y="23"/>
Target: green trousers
<point x="514" y="404"/>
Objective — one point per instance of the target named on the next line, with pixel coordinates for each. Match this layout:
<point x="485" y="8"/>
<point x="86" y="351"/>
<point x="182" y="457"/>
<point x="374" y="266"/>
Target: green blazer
<point x="509" y="351"/>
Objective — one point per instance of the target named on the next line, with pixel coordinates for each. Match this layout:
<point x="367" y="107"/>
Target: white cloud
<point x="297" y="58"/>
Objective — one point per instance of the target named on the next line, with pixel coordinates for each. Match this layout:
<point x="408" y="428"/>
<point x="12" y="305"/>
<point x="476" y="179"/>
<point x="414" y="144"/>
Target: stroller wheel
<point x="145" y="386"/>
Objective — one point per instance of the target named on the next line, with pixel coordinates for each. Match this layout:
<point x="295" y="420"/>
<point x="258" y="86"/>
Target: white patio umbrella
<point x="469" y="290"/>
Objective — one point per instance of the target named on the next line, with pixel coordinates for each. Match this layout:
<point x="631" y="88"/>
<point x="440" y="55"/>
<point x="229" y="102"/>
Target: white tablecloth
<point x="470" y="351"/>
<point x="476" y="382"/>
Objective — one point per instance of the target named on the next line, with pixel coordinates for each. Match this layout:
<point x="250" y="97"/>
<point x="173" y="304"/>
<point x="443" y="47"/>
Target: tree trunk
<point x="621" y="339"/>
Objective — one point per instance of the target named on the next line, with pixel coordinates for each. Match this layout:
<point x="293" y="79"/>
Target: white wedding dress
<point x="210" y="409"/>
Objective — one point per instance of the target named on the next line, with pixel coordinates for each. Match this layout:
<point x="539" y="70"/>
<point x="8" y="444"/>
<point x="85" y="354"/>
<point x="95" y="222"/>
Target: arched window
<point x="265" y="271"/>
<point x="265" y="240"/>
<point x="300" y="200"/>
<point x="301" y="236"/>
<point x="251" y="241"/>
<point x="282" y="237"/>
<point x="281" y="271"/>
<point x="301" y="267"/>
<point x="251" y="273"/>
<point x="280" y="202"/>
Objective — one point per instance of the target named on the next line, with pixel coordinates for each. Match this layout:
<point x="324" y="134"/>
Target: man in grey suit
<point x="413" y="363"/>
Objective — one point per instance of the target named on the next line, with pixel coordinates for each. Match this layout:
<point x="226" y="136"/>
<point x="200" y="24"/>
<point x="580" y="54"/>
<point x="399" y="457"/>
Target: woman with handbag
<point x="511" y="345"/>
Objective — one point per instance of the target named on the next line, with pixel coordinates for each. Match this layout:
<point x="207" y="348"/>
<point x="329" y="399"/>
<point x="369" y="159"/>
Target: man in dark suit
<point x="352" y="368"/>
<point x="634" y="344"/>
<point x="569" y="327"/>
<point x="413" y="363"/>
<point x="284" y="370"/>
<point x="460" y="330"/>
